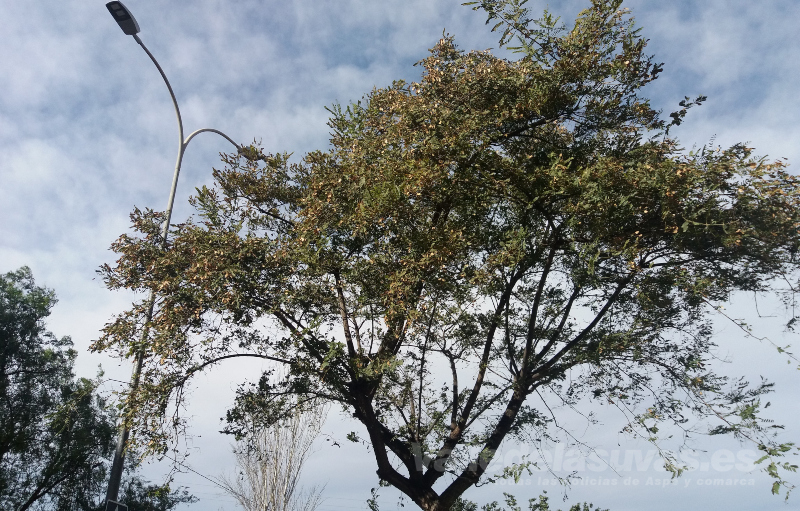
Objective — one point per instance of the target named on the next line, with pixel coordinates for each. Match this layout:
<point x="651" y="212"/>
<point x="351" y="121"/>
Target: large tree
<point x="505" y="232"/>
<point x="56" y="432"/>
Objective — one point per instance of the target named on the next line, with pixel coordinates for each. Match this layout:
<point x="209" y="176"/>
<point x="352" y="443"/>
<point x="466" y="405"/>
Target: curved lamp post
<point x="129" y="26"/>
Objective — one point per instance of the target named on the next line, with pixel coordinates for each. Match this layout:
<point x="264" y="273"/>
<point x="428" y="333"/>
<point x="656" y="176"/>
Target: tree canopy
<point x="504" y="232"/>
<point x="56" y="432"/>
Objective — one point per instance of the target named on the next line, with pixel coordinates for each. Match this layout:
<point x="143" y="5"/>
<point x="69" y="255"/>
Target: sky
<point x="87" y="132"/>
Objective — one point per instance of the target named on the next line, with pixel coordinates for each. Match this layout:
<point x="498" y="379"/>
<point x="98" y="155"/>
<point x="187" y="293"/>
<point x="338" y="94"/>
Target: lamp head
<point x="124" y="18"/>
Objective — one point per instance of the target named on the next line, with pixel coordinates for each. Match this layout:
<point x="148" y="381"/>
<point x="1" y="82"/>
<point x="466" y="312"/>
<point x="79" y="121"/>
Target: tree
<point x="56" y="433"/>
<point x="269" y="462"/>
<point x="501" y="234"/>
<point x="141" y="495"/>
<point x="53" y="434"/>
<point x="539" y="504"/>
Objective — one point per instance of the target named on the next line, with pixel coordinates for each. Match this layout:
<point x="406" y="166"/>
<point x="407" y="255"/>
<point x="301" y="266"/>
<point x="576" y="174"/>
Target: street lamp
<point x="124" y="18"/>
<point x="129" y="26"/>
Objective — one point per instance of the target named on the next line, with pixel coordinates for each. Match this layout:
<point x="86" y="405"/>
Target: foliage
<point x="139" y="495"/>
<point x="56" y="433"/>
<point x="463" y="505"/>
<point x="501" y="234"/>
<point x="53" y="434"/>
<point x="538" y="504"/>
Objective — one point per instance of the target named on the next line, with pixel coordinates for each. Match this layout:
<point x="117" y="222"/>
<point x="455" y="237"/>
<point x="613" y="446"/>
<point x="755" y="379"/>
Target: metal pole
<point x="122" y="440"/>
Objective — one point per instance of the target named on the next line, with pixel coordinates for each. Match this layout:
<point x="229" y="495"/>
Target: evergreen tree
<point x="56" y="432"/>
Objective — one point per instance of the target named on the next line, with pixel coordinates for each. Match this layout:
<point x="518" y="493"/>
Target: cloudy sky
<point x="87" y="132"/>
